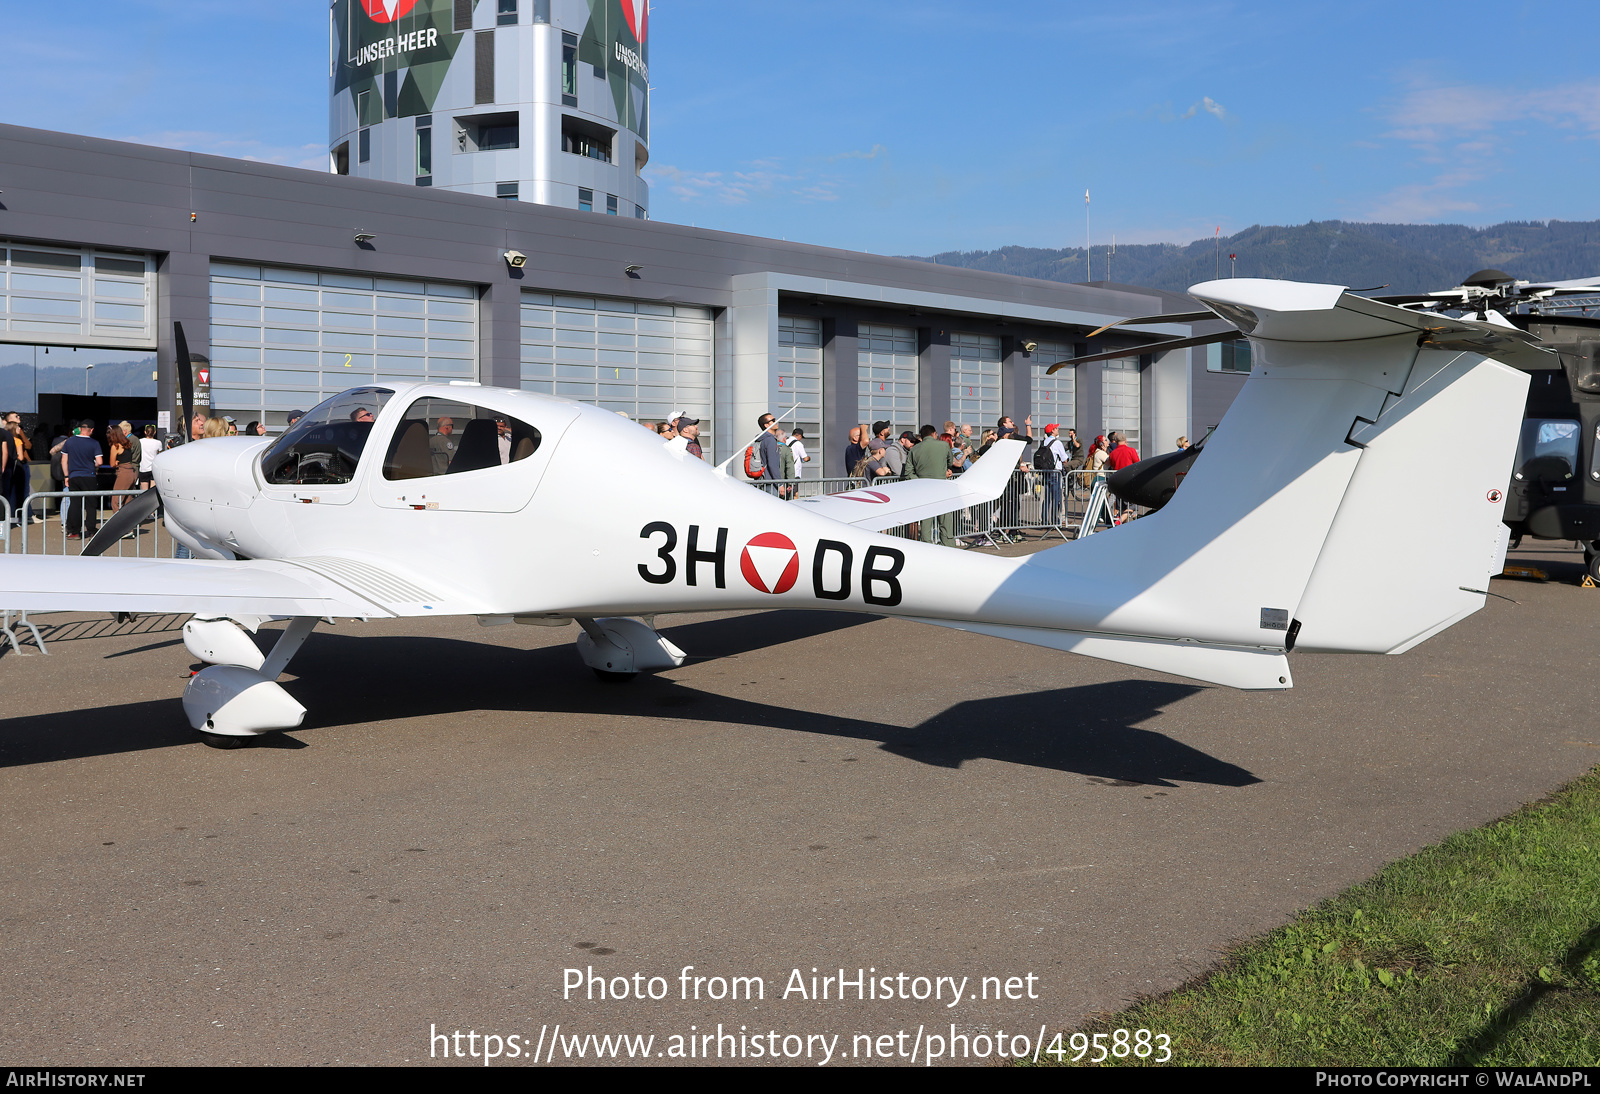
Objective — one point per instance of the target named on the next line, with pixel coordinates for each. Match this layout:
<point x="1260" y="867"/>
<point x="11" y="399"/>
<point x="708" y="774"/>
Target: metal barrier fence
<point x="41" y="534"/>
<point x="1041" y="502"/>
<point x="82" y="512"/>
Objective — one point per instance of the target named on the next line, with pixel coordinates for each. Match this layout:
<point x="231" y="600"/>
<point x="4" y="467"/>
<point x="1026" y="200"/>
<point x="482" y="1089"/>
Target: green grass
<point x="1484" y="949"/>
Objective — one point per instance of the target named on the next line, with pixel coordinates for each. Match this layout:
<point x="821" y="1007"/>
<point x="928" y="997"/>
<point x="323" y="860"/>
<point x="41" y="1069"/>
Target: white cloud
<point x="761" y="179"/>
<point x="1466" y="131"/>
<point x="1210" y="106"/>
<point x="1432" y="114"/>
<point x="312" y="157"/>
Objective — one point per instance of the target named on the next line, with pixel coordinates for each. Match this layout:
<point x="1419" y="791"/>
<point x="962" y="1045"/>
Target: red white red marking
<point x="770" y="563"/>
<point x="874" y="497"/>
<point x="637" y="13"/>
<point x="387" y="11"/>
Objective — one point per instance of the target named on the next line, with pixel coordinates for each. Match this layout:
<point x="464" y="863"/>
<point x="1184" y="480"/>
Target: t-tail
<point x="1349" y="502"/>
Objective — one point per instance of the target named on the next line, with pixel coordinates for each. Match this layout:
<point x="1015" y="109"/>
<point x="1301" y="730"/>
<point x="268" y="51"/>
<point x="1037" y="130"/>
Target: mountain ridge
<point x="1403" y="257"/>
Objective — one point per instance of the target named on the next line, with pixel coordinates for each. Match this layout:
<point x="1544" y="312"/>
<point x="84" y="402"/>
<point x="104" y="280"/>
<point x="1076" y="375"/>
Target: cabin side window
<point x="449" y="437"/>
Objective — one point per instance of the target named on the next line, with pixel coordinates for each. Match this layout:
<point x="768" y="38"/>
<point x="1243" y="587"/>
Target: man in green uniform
<point x="786" y="464"/>
<point x="930" y="458"/>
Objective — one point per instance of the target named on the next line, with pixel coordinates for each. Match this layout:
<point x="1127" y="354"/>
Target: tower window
<point x="364" y="143"/>
<point x="569" y="69"/>
<point x="583" y="138"/>
<point x="638" y="212"/>
<point x="585" y="200"/>
<point x="425" y="146"/>
<point x="507" y="13"/>
<point x="488" y="132"/>
<point x="506" y="190"/>
<point x="611" y="205"/>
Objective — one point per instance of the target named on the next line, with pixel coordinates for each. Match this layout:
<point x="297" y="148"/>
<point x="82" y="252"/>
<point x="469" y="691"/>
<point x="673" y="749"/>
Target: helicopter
<point x="1553" y="491"/>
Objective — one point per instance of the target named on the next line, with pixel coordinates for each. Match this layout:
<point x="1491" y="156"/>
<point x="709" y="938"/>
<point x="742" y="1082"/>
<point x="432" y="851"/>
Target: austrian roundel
<point x="770" y="563"/>
<point x="387" y="11"/>
<point x="637" y="13"/>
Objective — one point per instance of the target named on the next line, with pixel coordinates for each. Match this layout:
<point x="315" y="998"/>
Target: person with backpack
<point x="762" y="463"/>
<point x="1050" y="460"/>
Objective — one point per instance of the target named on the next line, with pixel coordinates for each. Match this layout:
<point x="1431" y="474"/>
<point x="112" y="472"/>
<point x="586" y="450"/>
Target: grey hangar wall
<point x="190" y="211"/>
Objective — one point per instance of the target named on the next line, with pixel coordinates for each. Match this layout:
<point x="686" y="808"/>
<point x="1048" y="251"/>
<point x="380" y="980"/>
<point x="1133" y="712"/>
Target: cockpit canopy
<point x="324" y="447"/>
<point x="1548" y="449"/>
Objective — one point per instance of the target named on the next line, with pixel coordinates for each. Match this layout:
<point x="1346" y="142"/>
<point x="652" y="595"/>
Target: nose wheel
<point x="223" y="740"/>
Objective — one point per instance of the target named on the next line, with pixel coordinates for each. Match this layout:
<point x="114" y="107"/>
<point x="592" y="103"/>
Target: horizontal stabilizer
<point x="876" y="507"/>
<point x="1231" y="666"/>
<point x="1294" y="312"/>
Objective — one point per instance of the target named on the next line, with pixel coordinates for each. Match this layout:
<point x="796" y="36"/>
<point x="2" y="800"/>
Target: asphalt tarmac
<point x="467" y="814"/>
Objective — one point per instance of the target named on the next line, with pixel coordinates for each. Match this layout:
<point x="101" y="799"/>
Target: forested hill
<point x="1406" y="257"/>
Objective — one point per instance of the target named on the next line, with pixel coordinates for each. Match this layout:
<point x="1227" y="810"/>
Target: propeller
<point x="136" y="510"/>
<point x="185" y="382"/>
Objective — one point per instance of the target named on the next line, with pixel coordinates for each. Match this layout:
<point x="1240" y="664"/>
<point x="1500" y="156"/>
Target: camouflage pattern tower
<point x="532" y="100"/>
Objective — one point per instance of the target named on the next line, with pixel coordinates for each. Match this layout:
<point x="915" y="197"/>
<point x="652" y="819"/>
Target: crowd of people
<point x="775" y="460"/>
<point x="84" y="460"/>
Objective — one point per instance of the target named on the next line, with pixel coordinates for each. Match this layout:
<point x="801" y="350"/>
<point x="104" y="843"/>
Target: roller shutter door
<point x="76" y="296"/>
<point x="1119" y="398"/>
<point x="974" y="378"/>
<point x="886" y="375"/>
<point x="285" y="339"/>
<point x="1053" y="396"/>
<point x="797" y="383"/>
<point x="642" y="359"/>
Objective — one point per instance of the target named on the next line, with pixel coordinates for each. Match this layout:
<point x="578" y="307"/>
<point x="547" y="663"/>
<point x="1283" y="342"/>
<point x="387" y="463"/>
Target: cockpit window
<point x="324" y="447"/>
<point x="446" y="437"/>
<point x="1548" y="449"/>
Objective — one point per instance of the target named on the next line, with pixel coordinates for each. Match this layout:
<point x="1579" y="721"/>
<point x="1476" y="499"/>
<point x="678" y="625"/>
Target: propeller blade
<point x="1170" y="317"/>
<point x="133" y="513"/>
<point x="185" y="383"/>
<point x="1149" y="347"/>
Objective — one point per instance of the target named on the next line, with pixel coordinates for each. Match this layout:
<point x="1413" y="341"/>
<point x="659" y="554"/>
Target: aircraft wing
<point x="878" y="507"/>
<point x="300" y="587"/>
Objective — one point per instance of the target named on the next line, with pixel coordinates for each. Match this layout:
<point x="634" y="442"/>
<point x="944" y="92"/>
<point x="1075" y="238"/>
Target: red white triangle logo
<point x="770" y="563"/>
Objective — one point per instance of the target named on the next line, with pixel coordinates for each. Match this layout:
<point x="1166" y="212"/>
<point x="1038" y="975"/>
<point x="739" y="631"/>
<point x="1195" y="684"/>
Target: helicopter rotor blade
<point x="1170" y="317"/>
<point x="1148" y="347"/>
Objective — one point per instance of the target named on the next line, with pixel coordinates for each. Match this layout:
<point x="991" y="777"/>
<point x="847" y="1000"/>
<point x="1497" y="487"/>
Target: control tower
<point x="529" y="100"/>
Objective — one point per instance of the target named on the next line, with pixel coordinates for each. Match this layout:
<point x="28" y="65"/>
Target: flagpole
<point x="1088" y="270"/>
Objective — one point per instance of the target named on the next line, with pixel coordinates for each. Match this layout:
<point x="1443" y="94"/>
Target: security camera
<point x="515" y="259"/>
<point x="1030" y="346"/>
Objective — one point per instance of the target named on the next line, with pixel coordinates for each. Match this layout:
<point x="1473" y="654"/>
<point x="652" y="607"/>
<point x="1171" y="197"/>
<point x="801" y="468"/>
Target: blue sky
<point x="912" y="128"/>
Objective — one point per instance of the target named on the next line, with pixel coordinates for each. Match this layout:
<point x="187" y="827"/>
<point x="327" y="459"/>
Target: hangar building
<point x="292" y="285"/>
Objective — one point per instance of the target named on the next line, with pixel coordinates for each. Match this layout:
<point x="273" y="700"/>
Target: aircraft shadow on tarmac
<point x="350" y="679"/>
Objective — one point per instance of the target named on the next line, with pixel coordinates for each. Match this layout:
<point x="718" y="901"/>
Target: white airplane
<point x="1302" y="527"/>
